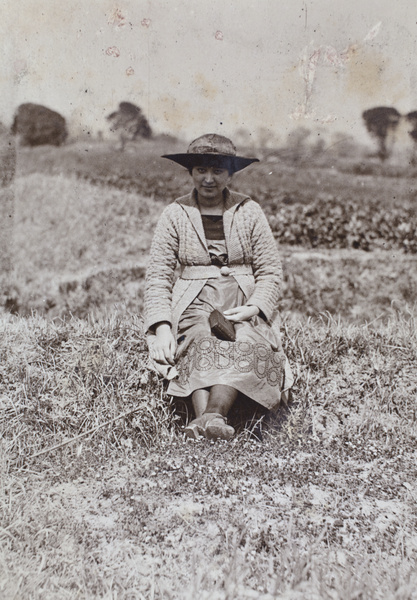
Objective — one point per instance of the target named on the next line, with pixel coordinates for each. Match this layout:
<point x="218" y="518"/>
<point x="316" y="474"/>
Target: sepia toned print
<point x="102" y="494"/>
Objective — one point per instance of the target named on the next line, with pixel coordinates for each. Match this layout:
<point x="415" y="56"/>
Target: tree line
<point x="35" y="125"/>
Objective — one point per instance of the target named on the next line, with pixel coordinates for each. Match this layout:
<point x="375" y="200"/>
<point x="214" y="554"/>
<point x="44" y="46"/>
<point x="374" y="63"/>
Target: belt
<point x="213" y="272"/>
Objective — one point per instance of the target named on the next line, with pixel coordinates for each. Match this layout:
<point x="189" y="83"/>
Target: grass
<point x="60" y="379"/>
<point x="323" y="507"/>
<point x="81" y="249"/>
<point x="288" y="532"/>
<point x="102" y="497"/>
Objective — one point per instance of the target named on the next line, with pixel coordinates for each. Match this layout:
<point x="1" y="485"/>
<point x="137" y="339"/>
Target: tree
<point x="344" y="145"/>
<point x="296" y="142"/>
<point x="381" y="122"/>
<point x="36" y="125"/>
<point x="266" y="138"/>
<point x="130" y="122"/>
<point x="243" y="138"/>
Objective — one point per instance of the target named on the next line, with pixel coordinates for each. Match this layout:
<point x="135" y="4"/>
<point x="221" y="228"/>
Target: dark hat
<point x="211" y="150"/>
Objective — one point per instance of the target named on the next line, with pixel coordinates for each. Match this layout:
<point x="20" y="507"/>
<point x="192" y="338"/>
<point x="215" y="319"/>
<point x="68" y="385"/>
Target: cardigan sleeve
<point x="161" y="270"/>
<point x="266" y="264"/>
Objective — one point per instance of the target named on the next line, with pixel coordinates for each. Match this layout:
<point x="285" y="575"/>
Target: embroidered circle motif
<point x="262" y="357"/>
<point x="242" y="357"/>
<point x="223" y="354"/>
<point x="204" y="355"/>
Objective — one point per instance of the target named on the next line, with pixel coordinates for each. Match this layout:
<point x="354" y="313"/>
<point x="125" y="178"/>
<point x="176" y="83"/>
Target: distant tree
<point x="130" y="122"/>
<point x="243" y="137"/>
<point x="412" y="132"/>
<point x="344" y="145"/>
<point x="266" y="138"/>
<point x="37" y="125"/>
<point x="381" y="122"/>
<point x="296" y="142"/>
<point x="318" y="146"/>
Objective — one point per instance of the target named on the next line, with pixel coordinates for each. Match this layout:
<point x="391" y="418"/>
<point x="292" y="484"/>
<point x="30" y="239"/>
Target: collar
<point x="231" y="201"/>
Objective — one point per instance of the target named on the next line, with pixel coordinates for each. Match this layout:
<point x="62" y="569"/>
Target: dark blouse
<point x="213" y="227"/>
<point x="213" y="230"/>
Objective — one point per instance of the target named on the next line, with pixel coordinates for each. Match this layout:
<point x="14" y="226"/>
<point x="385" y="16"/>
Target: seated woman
<point x="228" y="260"/>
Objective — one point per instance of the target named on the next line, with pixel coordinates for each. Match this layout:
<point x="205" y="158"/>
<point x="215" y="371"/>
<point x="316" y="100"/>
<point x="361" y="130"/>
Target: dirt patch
<point x="198" y="519"/>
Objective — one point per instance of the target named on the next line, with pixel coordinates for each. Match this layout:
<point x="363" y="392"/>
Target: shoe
<point x="196" y="428"/>
<point x="218" y="429"/>
<point x="194" y="431"/>
<point x="212" y="426"/>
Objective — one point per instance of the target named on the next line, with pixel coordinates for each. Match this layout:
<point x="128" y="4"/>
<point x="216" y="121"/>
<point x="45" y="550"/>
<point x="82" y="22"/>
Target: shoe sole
<point x="217" y="432"/>
<point x="194" y="432"/>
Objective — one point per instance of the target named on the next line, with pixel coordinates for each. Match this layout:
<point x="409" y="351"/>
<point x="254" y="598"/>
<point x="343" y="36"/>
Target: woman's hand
<point x="163" y="346"/>
<point x="241" y="313"/>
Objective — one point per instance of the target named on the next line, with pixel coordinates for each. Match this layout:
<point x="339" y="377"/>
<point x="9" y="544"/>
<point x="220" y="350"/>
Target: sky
<point x="267" y="66"/>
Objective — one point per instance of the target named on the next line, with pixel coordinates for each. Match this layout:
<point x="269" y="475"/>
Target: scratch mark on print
<point x="323" y="55"/>
<point x="130" y="71"/>
<point x="309" y="63"/>
<point x="219" y="35"/>
<point x="328" y="119"/>
<point x="372" y="33"/>
<point x="146" y="23"/>
<point x="113" y="51"/>
<point x="301" y="113"/>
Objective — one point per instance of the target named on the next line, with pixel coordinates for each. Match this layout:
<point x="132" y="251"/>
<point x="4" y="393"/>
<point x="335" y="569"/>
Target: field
<point x="102" y="497"/>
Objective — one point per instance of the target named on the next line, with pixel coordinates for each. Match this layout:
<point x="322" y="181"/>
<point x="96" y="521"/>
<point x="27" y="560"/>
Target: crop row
<point x="344" y="224"/>
<point x="333" y="221"/>
<point x="309" y="207"/>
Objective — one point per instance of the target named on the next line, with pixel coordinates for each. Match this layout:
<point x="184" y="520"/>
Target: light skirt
<point x="254" y="364"/>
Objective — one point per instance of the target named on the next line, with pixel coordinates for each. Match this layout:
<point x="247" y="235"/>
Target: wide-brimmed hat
<point x="212" y="150"/>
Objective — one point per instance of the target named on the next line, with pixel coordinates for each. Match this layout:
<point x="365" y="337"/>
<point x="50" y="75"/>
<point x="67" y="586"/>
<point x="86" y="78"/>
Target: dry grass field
<point x="102" y="497"/>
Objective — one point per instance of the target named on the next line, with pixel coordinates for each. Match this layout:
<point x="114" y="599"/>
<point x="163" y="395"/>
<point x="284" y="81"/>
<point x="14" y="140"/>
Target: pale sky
<point x="195" y="65"/>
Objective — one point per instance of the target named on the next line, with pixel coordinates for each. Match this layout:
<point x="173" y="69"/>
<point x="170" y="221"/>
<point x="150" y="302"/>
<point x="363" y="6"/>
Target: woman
<point x="229" y="261"/>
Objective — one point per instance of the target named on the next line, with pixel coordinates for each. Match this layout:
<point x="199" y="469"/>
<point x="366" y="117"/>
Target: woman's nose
<point x="208" y="176"/>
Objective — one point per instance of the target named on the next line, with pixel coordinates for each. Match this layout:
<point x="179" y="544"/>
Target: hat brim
<point x="224" y="161"/>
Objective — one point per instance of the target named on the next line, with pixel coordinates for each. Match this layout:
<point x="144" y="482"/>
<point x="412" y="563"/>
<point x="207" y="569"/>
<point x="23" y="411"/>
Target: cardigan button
<point x="225" y="271"/>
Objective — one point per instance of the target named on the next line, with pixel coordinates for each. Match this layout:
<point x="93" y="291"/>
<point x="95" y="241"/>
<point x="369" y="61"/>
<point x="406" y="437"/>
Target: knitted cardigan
<point x="179" y="239"/>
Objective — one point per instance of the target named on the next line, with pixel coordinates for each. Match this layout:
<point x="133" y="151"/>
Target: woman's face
<point x="210" y="182"/>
